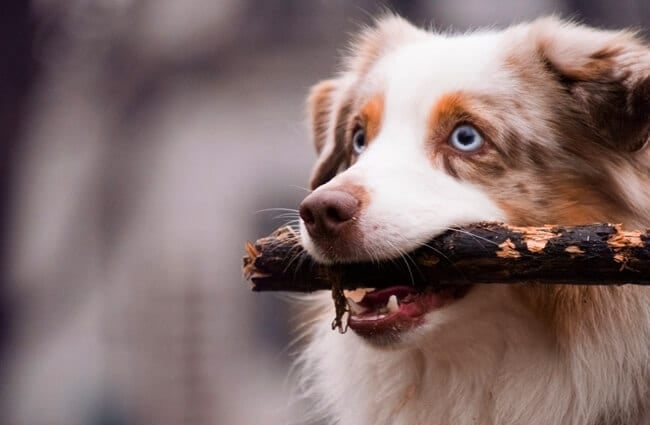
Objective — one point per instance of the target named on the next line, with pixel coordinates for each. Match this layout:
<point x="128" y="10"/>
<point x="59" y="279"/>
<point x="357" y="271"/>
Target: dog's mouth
<point x="398" y="308"/>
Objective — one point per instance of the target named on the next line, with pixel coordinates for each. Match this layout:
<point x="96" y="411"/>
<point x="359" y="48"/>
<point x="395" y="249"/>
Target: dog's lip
<point x="371" y="317"/>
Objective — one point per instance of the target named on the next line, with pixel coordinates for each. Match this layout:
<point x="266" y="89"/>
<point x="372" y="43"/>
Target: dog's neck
<point x="493" y="370"/>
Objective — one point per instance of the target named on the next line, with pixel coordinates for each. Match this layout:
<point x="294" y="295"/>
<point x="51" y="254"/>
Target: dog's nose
<point x="325" y="212"/>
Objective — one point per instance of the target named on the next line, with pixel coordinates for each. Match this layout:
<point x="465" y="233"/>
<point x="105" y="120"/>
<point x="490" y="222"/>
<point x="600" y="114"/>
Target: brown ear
<point x="319" y="108"/>
<point x="607" y="73"/>
<point x="324" y="113"/>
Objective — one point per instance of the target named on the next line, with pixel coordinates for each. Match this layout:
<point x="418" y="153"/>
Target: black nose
<point x="325" y="212"/>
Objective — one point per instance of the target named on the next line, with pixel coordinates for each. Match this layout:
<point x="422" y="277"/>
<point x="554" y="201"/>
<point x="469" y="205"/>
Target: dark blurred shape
<point x="17" y="72"/>
<point x="612" y="14"/>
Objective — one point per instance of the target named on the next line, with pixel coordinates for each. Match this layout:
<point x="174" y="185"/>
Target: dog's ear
<point x="608" y="75"/>
<point x="323" y="111"/>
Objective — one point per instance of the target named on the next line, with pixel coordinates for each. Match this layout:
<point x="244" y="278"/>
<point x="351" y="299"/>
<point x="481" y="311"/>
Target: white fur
<point x="485" y="360"/>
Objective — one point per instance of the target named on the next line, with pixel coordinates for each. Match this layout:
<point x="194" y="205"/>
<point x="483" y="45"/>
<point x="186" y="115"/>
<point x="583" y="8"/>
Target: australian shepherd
<point x="541" y="123"/>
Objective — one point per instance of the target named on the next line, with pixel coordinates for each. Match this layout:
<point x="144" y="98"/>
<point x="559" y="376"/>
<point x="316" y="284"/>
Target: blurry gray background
<point x="139" y="140"/>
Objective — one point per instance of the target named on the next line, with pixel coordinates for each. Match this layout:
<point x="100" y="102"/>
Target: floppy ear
<point x="323" y="114"/>
<point x="607" y="73"/>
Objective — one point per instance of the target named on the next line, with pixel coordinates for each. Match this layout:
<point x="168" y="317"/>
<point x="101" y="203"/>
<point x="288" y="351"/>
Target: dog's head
<point x="541" y="123"/>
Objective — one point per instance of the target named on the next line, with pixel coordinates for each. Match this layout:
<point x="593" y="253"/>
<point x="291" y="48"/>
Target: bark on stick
<point x="598" y="254"/>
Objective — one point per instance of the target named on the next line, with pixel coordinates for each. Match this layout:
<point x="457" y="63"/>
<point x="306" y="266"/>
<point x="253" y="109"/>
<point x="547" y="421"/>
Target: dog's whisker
<point x="294" y="224"/>
<point x="456" y="229"/>
<point x="441" y="254"/>
<point x="372" y="254"/>
<point x="472" y="235"/>
<point x="277" y="209"/>
<point x="286" y="215"/>
<point x="292" y="213"/>
<point x="393" y="260"/>
<point x="295" y="186"/>
<point x="406" y="256"/>
<point x="294" y="256"/>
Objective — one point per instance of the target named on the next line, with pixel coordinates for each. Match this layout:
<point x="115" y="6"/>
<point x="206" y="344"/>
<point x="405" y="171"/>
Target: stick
<point x="599" y="254"/>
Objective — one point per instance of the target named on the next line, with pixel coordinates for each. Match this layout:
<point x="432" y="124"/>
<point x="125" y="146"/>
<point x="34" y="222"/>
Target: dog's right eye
<point x="466" y="138"/>
<point x="359" y="140"/>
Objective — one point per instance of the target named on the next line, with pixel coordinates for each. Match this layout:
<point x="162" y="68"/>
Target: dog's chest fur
<point x="497" y="367"/>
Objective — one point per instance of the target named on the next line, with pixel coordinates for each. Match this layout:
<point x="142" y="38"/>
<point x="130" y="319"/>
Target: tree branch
<point x="599" y="254"/>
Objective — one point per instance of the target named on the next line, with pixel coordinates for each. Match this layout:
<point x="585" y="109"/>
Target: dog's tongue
<point x="404" y="300"/>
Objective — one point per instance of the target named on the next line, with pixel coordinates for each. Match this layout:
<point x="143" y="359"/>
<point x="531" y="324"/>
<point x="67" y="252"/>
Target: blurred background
<point x="140" y="141"/>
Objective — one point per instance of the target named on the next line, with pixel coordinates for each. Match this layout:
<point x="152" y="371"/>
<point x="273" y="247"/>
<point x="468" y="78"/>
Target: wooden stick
<point x="598" y="254"/>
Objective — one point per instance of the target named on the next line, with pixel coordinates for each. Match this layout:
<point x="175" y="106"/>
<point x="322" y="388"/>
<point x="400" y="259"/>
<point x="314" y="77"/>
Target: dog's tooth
<point x="356" y="308"/>
<point x="392" y="305"/>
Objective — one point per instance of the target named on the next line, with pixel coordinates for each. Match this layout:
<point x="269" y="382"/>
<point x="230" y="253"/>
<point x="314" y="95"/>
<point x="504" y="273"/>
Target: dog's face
<point x="542" y="123"/>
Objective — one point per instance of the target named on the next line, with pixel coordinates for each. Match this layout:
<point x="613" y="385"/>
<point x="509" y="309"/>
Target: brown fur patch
<point x="319" y="106"/>
<point x="358" y="192"/>
<point x="335" y="156"/>
<point x="451" y="110"/>
<point x="372" y="115"/>
<point x="343" y="118"/>
<point x="452" y="105"/>
<point x="607" y="73"/>
<point x="571" y="312"/>
<point x="564" y="203"/>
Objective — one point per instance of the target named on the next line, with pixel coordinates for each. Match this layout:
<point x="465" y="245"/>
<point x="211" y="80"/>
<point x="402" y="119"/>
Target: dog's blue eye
<point x="359" y="141"/>
<point x="466" y="138"/>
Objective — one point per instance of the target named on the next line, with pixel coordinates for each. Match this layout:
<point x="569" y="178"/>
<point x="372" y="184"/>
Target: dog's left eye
<point x="466" y="138"/>
<point x="359" y="141"/>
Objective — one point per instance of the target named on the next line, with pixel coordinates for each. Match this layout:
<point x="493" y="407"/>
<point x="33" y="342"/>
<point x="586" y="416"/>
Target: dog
<point x="545" y="122"/>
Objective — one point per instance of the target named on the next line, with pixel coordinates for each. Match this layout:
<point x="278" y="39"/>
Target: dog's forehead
<point x="414" y="75"/>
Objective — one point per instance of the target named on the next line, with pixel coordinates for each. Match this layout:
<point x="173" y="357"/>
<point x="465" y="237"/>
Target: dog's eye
<point x="466" y="138"/>
<point x="359" y="140"/>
